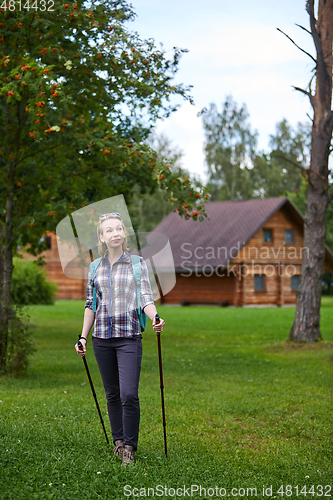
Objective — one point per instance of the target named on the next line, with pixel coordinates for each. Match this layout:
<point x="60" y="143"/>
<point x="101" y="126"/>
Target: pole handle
<point x="79" y="344"/>
<point x="157" y="320"/>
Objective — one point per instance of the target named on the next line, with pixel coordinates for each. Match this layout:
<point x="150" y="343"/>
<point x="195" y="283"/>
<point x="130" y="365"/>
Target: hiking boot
<point x="128" y="455"/>
<point x="118" y="451"/>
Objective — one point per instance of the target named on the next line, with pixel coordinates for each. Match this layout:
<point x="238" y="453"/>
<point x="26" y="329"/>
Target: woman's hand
<point x="158" y="327"/>
<point x="81" y="352"/>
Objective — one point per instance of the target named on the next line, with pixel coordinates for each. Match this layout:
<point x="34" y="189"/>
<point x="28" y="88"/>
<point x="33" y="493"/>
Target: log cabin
<point x="246" y="253"/>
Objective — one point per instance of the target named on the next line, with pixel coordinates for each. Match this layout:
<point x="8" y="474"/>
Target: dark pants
<point x="119" y="363"/>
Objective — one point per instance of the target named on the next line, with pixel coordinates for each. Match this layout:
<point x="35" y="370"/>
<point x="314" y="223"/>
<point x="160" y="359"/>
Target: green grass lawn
<point x="243" y="409"/>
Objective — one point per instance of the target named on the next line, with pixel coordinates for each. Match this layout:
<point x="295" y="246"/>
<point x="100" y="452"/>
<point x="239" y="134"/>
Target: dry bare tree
<point x="306" y="326"/>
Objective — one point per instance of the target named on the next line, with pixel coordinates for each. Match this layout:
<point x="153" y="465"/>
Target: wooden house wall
<point x="274" y="259"/>
<point x="68" y="288"/>
<point x="276" y="251"/>
<point x="277" y="287"/>
<point x="202" y="289"/>
<point x="277" y="260"/>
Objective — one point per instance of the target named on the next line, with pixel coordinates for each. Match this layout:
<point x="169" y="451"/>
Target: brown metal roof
<point x="232" y="223"/>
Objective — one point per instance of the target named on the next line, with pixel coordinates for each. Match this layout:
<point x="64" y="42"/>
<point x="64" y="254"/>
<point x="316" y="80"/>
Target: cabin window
<point x="267" y="235"/>
<point x="295" y="282"/>
<point x="259" y="283"/>
<point x="47" y="239"/>
<point x="289" y="236"/>
<point x="48" y="242"/>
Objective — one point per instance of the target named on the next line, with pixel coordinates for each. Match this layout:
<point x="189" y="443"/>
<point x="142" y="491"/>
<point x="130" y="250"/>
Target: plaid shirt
<point x="116" y="297"/>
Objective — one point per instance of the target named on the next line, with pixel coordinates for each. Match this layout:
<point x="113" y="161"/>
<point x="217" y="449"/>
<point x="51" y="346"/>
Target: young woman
<point x="116" y="338"/>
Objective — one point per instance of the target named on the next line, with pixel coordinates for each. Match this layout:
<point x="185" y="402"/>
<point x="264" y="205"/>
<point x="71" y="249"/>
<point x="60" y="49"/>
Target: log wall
<point x="68" y="288"/>
<point x="276" y="260"/>
<point x="202" y="289"/>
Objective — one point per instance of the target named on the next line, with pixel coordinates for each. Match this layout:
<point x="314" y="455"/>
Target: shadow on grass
<point x="288" y="345"/>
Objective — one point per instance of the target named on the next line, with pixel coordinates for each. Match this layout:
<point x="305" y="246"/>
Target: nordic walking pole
<point x="157" y="320"/>
<point x="80" y="346"/>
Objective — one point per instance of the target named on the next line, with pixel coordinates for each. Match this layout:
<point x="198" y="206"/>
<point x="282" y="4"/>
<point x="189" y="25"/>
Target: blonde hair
<point x="102" y="247"/>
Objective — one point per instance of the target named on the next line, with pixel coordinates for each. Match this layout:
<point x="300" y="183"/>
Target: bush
<point x="20" y="345"/>
<point x="327" y="288"/>
<point x="29" y="284"/>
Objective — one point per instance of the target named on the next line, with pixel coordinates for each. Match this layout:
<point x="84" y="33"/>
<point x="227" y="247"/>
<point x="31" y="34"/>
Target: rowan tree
<point x="79" y="93"/>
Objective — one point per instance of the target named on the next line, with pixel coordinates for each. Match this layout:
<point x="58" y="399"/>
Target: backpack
<point x="136" y="265"/>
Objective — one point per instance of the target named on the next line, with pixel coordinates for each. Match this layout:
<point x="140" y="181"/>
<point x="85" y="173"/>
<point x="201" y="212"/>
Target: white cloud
<point x="243" y="44"/>
<point x="184" y="129"/>
<point x="234" y="48"/>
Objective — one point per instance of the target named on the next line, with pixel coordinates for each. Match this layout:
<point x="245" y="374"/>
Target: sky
<point x="234" y="49"/>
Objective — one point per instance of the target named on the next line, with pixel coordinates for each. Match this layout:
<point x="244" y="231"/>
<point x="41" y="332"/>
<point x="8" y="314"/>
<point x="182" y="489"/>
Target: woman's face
<point x="112" y="233"/>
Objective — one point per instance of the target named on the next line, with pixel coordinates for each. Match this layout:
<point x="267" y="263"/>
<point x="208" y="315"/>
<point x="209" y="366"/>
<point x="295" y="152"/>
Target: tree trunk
<point x="306" y="327"/>
<point x="5" y="308"/>
<point x="6" y="267"/>
<point x="3" y="324"/>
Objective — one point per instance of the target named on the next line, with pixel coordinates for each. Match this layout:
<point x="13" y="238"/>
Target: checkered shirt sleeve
<point x="146" y="295"/>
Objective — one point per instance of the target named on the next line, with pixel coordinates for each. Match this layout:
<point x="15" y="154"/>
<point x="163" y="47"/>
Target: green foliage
<point x="149" y="209"/>
<point x="20" y="344"/>
<point x="237" y="171"/>
<point x="327" y="284"/>
<point x="239" y="411"/>
<point x="29" y="284"/>
<point x="230" y="150"/>
<point x="79" y="93"/>
<point x="299" y="196"/>
<point x="289" y="157"/>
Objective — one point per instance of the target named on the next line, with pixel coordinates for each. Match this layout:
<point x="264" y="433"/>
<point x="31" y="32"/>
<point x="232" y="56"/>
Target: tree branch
<point x="307" y="93"/>
<point x="302" y="27"/>
<point x="72" y="174"/>
<point x="322" y="74"/>
<point x="290" y="161"/>
<point x="307" y="53"/>
<point x="308" y="169"/>
<point x="303" y="92"/>
<point x="310" y="83"/>
<point x="311" y="119"/>
<point x="34" y="154"/>
<point x="313" y="20"/>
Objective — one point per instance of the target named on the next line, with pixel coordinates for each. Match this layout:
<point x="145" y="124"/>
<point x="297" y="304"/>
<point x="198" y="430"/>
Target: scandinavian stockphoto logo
<point x="78" y="247"/>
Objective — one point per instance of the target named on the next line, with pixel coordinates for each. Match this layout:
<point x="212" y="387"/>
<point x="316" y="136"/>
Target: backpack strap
<point x="136" y="264"/>
<point x="94" y="265"/>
